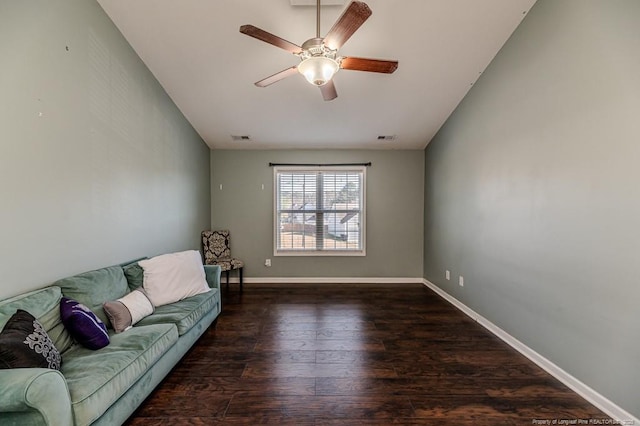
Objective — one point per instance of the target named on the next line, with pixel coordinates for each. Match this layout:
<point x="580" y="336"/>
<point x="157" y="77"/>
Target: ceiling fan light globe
<point x="318" y="70"/>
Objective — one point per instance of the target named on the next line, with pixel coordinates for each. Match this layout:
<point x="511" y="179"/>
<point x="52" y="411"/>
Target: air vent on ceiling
<point x="241" y="137"/>
<point x="313" y="3"/>
<point x="386" y="137"/>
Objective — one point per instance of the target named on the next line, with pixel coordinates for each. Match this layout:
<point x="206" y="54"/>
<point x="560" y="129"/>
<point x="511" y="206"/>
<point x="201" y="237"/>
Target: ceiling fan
<point x="319" y="56"/>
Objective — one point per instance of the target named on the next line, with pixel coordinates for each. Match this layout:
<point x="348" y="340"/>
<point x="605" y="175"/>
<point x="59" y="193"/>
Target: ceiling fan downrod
<point x="317" y="18"/>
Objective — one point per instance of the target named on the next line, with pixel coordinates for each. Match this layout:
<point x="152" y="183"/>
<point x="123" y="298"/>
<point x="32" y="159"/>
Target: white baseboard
<point x="600" y="401"/>
<point x="324" y="280"/>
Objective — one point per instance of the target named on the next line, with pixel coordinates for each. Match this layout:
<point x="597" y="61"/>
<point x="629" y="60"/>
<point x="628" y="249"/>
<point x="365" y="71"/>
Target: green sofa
<point x="102" y="387"/>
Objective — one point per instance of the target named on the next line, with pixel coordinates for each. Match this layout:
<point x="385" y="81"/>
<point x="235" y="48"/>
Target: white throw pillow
<point x="174" y="276"/>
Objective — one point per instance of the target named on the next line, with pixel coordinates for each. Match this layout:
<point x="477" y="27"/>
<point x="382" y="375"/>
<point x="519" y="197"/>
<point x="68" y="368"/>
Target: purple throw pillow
<point x="83" y="325"/>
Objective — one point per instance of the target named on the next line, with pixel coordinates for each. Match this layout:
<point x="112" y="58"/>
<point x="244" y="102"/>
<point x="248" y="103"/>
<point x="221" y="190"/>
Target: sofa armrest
<point x="40" y="389"/>
<point x="212" y="274"/>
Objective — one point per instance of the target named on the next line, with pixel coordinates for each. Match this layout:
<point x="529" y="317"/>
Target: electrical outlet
<point x="447" y="274"/>
<point x="461" y="281"/>
<point x="267" y="262"/>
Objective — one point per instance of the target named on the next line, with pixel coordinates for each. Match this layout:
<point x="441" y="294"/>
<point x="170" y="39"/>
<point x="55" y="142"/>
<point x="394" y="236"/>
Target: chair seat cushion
<point x="228" y="264"/>
<point x="96" y="379"/>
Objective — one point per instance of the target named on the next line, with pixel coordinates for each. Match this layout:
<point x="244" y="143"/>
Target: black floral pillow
<point x="24" y="343"/>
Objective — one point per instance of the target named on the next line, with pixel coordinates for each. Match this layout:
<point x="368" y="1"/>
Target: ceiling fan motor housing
<point x="315" y="47"/>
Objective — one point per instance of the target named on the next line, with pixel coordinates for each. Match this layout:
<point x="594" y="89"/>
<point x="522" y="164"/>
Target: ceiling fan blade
<point x="256" y="32"/>
<point x="348" y="23"/>
<point x="370" y="65"/>
<point x="329" y="91"/>
<point x="277" y="77"/>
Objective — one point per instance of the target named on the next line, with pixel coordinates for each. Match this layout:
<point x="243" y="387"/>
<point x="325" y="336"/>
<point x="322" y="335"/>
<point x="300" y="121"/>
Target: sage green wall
<point x="531" y="192"/>
<point x="394" y="212"/>
<point x="97" y="165"/>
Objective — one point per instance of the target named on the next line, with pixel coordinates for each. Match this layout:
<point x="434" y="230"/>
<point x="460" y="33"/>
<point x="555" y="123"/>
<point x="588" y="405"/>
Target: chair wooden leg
<point x="227" y="273"/>
<point x="240" y="277"/>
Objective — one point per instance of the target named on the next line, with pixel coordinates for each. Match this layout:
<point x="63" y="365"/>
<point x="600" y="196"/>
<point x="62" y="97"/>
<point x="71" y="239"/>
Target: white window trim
<point x="320" y="253"/>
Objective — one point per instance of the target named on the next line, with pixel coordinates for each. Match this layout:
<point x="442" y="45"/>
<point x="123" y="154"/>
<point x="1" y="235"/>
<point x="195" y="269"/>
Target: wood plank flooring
<point x="354" y="355"/>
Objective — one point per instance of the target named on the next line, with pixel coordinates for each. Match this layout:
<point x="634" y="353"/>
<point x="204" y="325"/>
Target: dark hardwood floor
<point x="354" y="355"/>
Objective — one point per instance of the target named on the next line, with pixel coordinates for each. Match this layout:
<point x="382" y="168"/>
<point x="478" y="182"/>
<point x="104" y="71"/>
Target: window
<point x="319" y="211"/>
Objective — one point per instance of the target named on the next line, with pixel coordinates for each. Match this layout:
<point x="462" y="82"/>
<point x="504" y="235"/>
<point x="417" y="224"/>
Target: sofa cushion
<point x="84" y="326"/>
<point x="93" y="288"/>
<point x="184" y="313"/>
<point x="24" y="343"/>
<point x="96" y="379"/>
<point x="44" y="305"/>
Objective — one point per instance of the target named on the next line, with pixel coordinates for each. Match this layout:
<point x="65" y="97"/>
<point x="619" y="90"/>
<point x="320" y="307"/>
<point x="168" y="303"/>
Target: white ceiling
<point x="208" y="67"/>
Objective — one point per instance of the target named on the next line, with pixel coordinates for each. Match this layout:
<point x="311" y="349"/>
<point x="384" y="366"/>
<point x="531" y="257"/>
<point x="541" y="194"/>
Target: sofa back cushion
<point x="93" y="288"/>
<point x="44" y="305"/>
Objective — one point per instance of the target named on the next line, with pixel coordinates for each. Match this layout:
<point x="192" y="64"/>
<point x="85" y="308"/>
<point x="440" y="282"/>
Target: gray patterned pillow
<point x="24" y="343"/>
